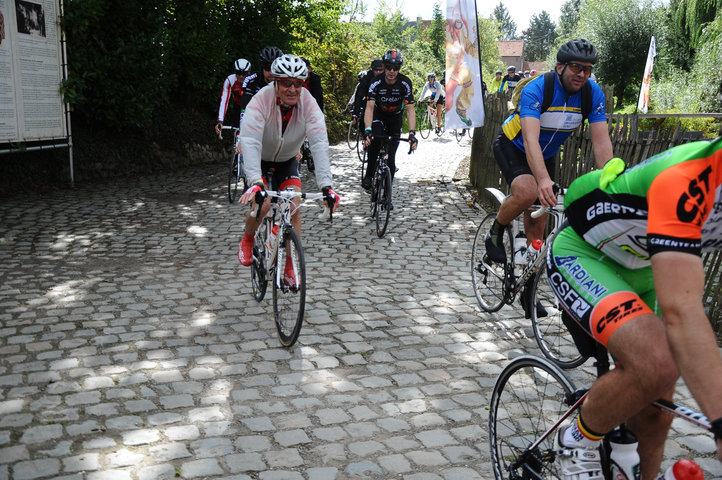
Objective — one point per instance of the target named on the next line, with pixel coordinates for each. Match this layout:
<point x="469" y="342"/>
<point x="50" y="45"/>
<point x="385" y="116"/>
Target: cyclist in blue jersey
<point x="529" y="139"/>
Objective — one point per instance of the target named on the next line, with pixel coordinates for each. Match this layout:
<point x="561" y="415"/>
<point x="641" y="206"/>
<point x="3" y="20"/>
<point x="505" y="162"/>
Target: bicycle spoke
<point x="492" y="281"/>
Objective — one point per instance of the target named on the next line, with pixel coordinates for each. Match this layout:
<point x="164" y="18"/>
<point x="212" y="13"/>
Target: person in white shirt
<point x="436" y="91"/>
<point x="277" y="120"/>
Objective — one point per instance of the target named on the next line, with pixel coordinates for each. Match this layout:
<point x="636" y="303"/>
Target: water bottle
<point x="534" y="247"/>
<point x="683" y="470"/>
<point x="520" y="251"/>
<point x="621" y="446"/>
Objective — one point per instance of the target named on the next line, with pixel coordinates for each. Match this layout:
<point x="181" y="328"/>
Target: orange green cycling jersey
<point x="670" y="202"/>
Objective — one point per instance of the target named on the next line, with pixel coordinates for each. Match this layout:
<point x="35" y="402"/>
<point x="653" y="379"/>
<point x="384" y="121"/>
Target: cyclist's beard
<point x="565" y="83"/>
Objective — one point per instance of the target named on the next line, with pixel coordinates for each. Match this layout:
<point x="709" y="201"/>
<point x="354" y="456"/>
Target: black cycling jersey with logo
<point x="251" y="85"/>
<point x="391" y="99"/>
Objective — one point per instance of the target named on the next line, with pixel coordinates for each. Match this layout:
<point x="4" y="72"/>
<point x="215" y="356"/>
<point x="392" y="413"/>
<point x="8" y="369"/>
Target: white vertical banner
<point x="643" y="103"/>
<point x="464" y="98"/>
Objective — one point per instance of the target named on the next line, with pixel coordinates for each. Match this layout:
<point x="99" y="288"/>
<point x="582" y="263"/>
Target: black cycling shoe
<point x="541" y="312"/>
<point x="495" y="253"/>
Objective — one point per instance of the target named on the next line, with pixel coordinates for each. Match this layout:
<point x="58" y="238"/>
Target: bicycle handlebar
<point x="541" y="210"/>
<point x="225" y="127"/>
<point x="288" y="195"/>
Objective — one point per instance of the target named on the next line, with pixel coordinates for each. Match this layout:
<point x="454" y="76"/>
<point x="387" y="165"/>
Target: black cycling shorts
<point x="283" y="174"/>
<point x="512" y="161"/>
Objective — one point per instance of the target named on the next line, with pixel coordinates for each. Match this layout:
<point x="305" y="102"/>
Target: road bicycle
<point x="236" y="175"/>
<point x="531" y="400"/>
<point x="429" y="121"/>
<point x="497" y="284"/>
<point x="381" y="188"/>
<point x="278" y="257"/>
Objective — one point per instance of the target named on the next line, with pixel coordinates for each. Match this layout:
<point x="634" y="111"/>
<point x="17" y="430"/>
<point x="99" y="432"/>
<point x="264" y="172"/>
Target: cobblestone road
<point x="131" y="346"/>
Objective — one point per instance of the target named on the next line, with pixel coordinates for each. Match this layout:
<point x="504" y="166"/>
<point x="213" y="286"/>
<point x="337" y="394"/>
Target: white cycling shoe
<point x="579" y="463"/>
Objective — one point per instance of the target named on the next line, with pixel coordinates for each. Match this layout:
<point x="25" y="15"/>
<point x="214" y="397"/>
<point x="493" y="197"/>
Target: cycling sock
<point x="497" y="233"/>
<point x="579" y="435"/>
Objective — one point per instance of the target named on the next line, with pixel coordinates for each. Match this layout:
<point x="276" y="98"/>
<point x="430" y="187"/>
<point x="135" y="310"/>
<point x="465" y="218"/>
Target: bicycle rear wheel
<point x="383" y="202"/>
<point x="491" y="280"/>
<point x="352" y="137"/>
<point x="425" y="126"/>
<point x="259" y="282"/>
<point x="289" y="287"/>
<point x="364" y="161"/>
<point x="550" y="332"/>
<point x="530" y="398"/>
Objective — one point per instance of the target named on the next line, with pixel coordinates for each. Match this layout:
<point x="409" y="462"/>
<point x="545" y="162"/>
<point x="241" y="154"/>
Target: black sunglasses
<point x="395" y="68"/>
<point x="576" y="68"/>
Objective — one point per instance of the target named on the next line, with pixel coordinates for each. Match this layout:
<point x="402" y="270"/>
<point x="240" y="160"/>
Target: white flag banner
<point x="464" y="98"/>
<point x="643" y="103"/>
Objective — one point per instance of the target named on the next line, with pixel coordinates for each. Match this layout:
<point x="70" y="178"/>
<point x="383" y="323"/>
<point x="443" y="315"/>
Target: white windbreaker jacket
<point x="261" y="137"/>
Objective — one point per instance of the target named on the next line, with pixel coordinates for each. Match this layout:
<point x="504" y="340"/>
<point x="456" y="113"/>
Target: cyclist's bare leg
<point x="534" y="227"/>
<point x="523" y="194"/>
<point x="647" y="372"/>
<point x="251" y="222"/>
<point x="296" y="215"/>
<point x="651" y="426"/>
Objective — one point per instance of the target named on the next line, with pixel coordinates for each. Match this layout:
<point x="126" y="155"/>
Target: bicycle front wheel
<point x="383" y="202"/>
<point x="234" y="176"/>
<point x="529" y="399"/>
<point x="352" y="137"/>
<point x="550" y="332"/>
<point x="491" y="280"/>
<point x="425" y="127"/>
<point x="259" y="280"/>
<point x="289" y="287"/>
<point x="364" y="160"/>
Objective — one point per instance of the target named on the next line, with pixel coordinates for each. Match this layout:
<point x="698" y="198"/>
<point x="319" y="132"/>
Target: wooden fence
<point x="576" y="157"/>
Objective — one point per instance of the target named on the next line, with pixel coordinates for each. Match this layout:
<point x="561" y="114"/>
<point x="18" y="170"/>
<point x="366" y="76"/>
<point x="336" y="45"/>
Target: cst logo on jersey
<point x="692" y="207"/>
<point x="613" y="311"/>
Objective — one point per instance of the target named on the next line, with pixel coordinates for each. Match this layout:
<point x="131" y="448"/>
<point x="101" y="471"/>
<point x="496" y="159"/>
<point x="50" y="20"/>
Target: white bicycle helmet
<point x="289" y="66"/>
<point x="242" y="66"/>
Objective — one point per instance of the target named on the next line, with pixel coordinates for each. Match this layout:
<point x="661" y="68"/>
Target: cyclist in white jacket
<point x="277" y="120"/>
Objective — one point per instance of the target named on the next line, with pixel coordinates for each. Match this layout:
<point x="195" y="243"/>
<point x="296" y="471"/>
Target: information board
<point x="31" y="71"/>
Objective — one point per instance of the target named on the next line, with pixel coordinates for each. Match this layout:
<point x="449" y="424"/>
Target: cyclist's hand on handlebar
<point x="545" y="191"/>
<point x="219" y="126"/>
<point x="369" y="136"/>
<point x="251" y="193"/>
<point x="331" y="198"/>
<point x="413" y="143"/>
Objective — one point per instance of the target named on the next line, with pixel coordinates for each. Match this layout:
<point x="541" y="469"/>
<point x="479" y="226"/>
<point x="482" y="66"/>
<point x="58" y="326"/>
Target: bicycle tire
<point x="550" y="333"/>
<point x="425" y="127"/>
<point x="470" y="133"/>
<point x="233" y="177"/>
<point x="364" y="163"/>
<point x="491" y="280"/>
<point x="352" y="137"/>
<point x="530" y="396"/>
<point x="383" y="202"/>
<point x="259" y="281"/>
<point x="289" y="301"/>
<point x="458" y="135"/>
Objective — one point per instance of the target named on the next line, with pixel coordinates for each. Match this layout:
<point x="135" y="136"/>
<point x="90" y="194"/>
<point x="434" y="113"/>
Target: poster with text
<point x="464" y="98"/>
<point x="31" y="105"/>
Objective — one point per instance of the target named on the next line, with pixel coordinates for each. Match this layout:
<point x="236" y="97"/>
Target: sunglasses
<point x="241" y="74"/>
<point x="285" y="83"/>
<point x="266" y="66"/>
<point x="380" y="69"/>
<point x="576" y="68"/>
<point x="394" y="68"/>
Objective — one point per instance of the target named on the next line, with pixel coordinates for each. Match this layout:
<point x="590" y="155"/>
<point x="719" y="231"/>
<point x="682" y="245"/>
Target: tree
<point x="507" y="26"/>
<point x="621" y="30"/>
<point x="539" y="37"/>
<point x="437" y="35"/>
<point x="569" y="17"/>
<point x="687" y="21"/>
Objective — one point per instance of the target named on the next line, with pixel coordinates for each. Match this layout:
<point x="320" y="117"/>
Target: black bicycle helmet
<point x="269" y="54"/>
<point x="580" y="49"/>
<point x="511" y="68"/>
<point x="393" y="57"/>
<point x="377" y="63"/>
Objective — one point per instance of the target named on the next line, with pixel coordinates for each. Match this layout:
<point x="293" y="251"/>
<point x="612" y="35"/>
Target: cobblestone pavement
<point x="131" y="346"/>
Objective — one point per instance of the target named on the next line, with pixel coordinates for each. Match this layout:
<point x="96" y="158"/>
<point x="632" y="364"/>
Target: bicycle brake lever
<point x="260" y="197"/>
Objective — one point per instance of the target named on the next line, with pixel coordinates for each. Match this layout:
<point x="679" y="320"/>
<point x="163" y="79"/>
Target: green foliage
<point x="490" y="58"/>
<point x="437" y="35"/>
<point x="569" y="17"/>
<point x="621" y="31"/>
<point x="507" y="26"/>
<point x="117" y="74"/>
<point x="539" y="37"/>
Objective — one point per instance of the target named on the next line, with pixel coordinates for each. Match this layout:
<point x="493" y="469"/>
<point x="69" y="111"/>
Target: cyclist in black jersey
<point x="389" y="96"/>
<point x="257" y="80"/>
<point x="362" y="91"/>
